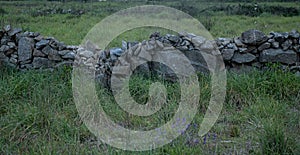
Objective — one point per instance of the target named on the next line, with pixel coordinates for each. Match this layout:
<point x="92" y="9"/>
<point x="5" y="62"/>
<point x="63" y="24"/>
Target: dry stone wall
<point x="253" y="49"/>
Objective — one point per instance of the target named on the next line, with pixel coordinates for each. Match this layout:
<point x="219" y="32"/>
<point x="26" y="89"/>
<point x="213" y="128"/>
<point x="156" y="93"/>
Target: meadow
<point x="261" y="113"/>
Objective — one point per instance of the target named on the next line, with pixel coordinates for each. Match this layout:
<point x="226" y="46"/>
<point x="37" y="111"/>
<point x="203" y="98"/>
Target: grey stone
<point x="41" y="44"/>
<point x="238" y="42"/>
<point x="116" y="51"/>
<point x="223" y="41"/>
<point x="275" y="44"/>
<point x="12" y="45"/>
<point x="86" y="54"/>
<point x="278" y="55"/>
<point x="4" y="48"/>
<point x="279" y="37"/>
<point x="25" y="48"/>
<point x="271" y="40"/>
<point x="46" y="50"/>
<point x="14" y="31"/>
<point x="227" y="54"/>
<point x="253" y="37"/>
<point x="198" y="41"/>
<point x="9" y="52"/>
<point x="232" y="46"/>
<point x="53" y="55"/>
<point x="243" y="50"/>
<point x="174" y="39"/>
<point x="7" y="28"/>
<point x="70" y="55"/>
<point x="286" y="45"/>
<point x="63" y="52"/>
<point x="39" y="62"/>
<point x="5" y="40"/>
<point x="13" y="61"/>
<point x="38" y="53"/>
<point x="294" y="34"/>
<point x="264" y="46"/>
<point x="243" y="58"/>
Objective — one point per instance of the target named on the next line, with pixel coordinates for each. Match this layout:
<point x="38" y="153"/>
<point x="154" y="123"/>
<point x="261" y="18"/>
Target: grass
<point x="38" y="114"/>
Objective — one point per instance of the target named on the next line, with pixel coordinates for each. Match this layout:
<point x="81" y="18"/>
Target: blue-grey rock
<point x="243" y="58"/>
<point x="41" y="44"/>
<point x="253" y="37"/>
<point x="278" y="55"/>
<point x="116" y="51"/>
<point x="26" y="46"/>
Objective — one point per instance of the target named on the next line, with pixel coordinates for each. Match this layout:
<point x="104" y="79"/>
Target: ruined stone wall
<point x="253" y="49"/>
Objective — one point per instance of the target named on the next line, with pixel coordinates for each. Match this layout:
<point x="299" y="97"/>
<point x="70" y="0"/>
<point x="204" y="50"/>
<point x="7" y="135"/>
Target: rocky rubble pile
<point x="30" y="50"/>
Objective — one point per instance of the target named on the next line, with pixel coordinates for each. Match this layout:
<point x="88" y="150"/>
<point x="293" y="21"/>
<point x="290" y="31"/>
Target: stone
<point x="238" y="42"/>
<point x="7" y="28"/>
<point x="279" y="37"/>
<point x="294" y="34"/>
<point x="38" y="53"/>
<point x="9" y="52"/>
<point x="264" y="46"/>
<point x="275" y="44"/>
<point x="12" y="45"/>
<point x="174" y="39"/>
<point x="70" y="55"/>
<point x="4" y="48"/>
<point x="63" y="52"/>
<point x="53" y="55"/>
<point x="116" y="51"/>
<point x="26" y="46"/>
<point x="286" y="45"/>
<point x="278" y="55"/>
<point x="253" y="37"/>
<point x="46" y="50"/>
<point x="13" y="61"/>
<point x="41" y="44"/>
<point x="232" y="46"/>
<point x="5" y="40"/>
<point x="243" y="58"/>
<point x="86" y="54"/>
<point x="223" y="41"/>
<point x="198" y="41"/>
<point x="243" y="50"/>
<point x="227" y="54"/>
<point x="39" y="62"/>
<point x="14" y="31"/>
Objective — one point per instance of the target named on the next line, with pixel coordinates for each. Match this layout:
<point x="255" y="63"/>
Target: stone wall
<point x="30" y="50"/>
<point x="253" y="49"/>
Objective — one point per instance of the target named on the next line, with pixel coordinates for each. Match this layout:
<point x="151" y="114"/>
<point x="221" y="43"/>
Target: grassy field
<point x="261" y="113"/>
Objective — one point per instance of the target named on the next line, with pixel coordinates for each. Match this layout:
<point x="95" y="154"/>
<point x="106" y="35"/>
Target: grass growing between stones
<point x="260" y="115"/>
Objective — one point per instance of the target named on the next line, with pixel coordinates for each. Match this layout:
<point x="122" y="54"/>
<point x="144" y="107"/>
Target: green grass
<point x="38" y="114"/>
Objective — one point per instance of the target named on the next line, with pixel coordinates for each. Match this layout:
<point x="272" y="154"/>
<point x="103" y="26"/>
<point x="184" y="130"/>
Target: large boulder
<point x="278" y="55"/>
<point x="253" y="37"/>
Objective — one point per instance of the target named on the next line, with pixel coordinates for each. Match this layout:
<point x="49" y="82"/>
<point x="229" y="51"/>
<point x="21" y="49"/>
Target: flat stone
<point x="227" y="54"/>
<point x="26" y="46"/>
<point x="243" y="58"/>
<point x="238" y="42"/>
<point x="253" y="37"/>
<point x="86" y="54"/>
<point x="14" y="31"/>
<point x="46" y="50"/>
<point x="38" y="53"/>
<point x="264" y="46"/>
<point x="41" y="44"/>
<point x="39" y="62"/>
<point x="70" y="55"/>
<point x="278" y="55"/>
